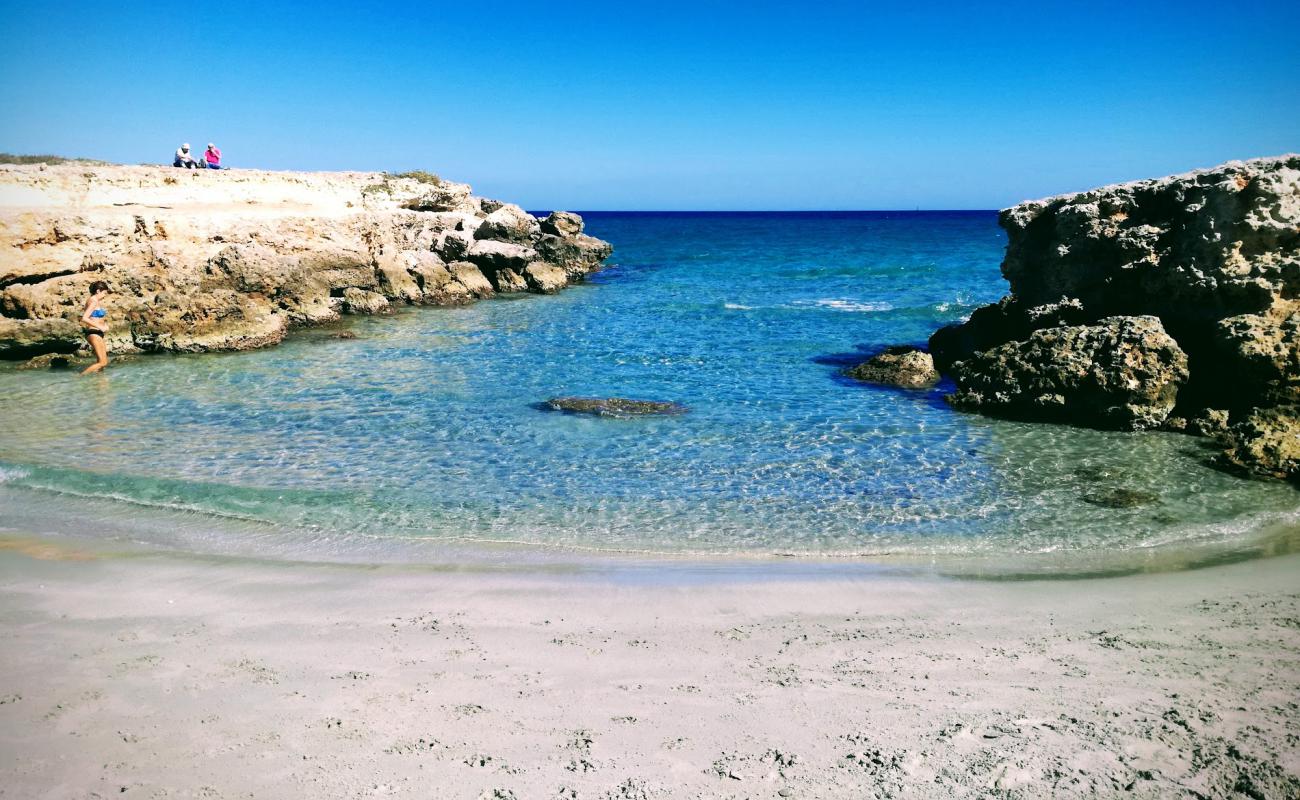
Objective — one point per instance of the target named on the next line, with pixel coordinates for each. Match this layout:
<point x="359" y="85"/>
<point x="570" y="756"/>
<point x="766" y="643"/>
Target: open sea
<point x="422" y="440"/>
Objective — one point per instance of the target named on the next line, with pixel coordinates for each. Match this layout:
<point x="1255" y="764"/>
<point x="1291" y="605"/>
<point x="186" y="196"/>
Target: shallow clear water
<point x="426" y="427"/>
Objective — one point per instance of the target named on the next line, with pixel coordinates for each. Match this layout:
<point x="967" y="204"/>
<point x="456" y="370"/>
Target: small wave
<point x="837" y="304"/>
<point x="145" y="502"/>
<point x="12" y="474"/>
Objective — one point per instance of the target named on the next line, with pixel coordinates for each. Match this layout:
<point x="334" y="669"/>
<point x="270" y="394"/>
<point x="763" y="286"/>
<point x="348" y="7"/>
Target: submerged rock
<point x="1120" y="498"/>
<point x="48" y="361"/>
<point x="1121" y="373"/>
<point x="285" y="249"/>
<point x="614" y="406"/>
<point x="1094" y="474"/>
<point x="903" y="366"/>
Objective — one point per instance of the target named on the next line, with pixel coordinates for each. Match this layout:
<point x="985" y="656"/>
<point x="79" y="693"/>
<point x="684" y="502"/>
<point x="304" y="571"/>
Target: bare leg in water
<point x="101" y="353"/>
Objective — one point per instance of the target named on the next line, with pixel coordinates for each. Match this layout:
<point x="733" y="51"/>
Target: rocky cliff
<point x="204" y="260"/>
<point x="1172" y="302"/>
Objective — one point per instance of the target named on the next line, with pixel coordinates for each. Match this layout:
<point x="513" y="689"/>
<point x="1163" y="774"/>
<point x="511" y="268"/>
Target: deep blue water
<point x="426" y="427"/>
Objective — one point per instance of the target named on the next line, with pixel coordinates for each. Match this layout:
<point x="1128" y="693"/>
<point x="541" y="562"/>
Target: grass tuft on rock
<point x="14" y="158"/>
<point x="420" y="175"/>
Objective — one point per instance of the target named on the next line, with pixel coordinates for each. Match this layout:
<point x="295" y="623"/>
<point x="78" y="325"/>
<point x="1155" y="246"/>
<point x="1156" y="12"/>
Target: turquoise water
<point x="425" y="430"/>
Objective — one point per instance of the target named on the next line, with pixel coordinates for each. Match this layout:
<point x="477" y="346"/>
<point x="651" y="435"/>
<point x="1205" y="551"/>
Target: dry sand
<point x="168" y="677"/>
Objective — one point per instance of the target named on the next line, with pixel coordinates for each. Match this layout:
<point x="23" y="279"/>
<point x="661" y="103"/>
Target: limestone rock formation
<point x="200" y="260"/>
<point x="562" y="223"/>
<point x="1123" y="372"/>
<point x="1266" y="443"/>
<point x="903" y="366"/>
<point x="1213" y="255"/>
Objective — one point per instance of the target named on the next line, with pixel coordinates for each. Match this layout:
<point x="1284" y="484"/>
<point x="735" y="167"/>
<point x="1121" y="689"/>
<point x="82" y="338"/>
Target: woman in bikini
<point x="92" y="322"/>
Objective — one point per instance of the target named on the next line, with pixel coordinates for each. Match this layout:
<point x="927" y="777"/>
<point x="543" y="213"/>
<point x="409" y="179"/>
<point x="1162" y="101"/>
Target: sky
<point x="668" y="105"/>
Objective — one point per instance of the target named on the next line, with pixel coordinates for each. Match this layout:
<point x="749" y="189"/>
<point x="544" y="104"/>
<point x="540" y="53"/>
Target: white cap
<point x="210" y="144"/>
<point x="185" y="146"/>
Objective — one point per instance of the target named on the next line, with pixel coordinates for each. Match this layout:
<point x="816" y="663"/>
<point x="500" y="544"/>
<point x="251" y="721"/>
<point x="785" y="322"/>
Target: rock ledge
<point x="201" y="260"/>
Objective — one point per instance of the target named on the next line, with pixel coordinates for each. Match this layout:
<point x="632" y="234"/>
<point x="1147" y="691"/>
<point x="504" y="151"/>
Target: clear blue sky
<point x="668" y="105"/>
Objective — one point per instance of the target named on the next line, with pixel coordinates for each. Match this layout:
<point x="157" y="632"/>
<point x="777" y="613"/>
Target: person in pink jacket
<point x="212" y="156"/>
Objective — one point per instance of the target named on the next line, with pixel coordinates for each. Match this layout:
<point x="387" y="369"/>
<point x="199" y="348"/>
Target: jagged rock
<point x="1004" y="321"/>
<point x="360" y="301"/>
<point x="576" y="255"/>
<point x="22" y="338"/>
<point x="545" y="278"/>
<point x="1192" y="249"/>
<point x="396" y="274"/>
<point x="251" y="268"/>
<point x="1209" y="422"/>
<point x="472" y="278"/>
<point x="1122" y="373"/>
<point x="493" y="255"/>
<point x="509" y="223"/>
<point x="444" y="196"/>
<point x="562" y="223"/>
<point x="339" y="267"/>
<point x="234" y="260"/>
<point x="1266" y="443"/>
<point x="507" y="281"/>
<point x="1213" y="254"/>
<point x="435" y="281"/>
<point x="1259" y="355"/>
<point x="907" y="367"/>
<point x="614" y="406"/>
<point x="454" y="245"/>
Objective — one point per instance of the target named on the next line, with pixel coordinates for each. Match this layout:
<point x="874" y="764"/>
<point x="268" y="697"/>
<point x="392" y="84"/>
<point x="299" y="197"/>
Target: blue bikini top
<point x="97" y="313"/>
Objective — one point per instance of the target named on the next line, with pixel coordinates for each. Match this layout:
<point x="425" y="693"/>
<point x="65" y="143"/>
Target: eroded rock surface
<point x="1212" y="255"/>
<point x="230" y="260"/>
<point x="1123" y="372"/>
<point x="1267" y="442"/>
<point x="903" y="366"/>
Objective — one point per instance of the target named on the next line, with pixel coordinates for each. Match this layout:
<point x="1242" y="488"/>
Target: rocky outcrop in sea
<point x="1162" y="303"/>
<point x="201" y="260"/>
<point x="902" y="366"/>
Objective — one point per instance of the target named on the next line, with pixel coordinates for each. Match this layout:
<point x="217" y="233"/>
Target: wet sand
<point x="170" y="677"/>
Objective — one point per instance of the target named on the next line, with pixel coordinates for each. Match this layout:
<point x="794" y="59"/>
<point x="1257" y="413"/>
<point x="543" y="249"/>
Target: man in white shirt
<point x="184" y="159"/>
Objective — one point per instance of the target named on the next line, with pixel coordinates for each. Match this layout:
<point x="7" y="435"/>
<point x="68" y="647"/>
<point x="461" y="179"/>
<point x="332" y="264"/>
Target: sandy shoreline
<point x="168" y="677"/>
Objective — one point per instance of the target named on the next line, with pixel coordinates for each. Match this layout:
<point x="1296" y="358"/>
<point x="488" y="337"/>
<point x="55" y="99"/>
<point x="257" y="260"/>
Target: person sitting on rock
<point x="184" y="158"/>
<point x="212" y="156"/>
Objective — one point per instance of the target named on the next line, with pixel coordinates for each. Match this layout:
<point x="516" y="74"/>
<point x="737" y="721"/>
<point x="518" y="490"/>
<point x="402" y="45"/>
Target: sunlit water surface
<point x="426" y="428"/>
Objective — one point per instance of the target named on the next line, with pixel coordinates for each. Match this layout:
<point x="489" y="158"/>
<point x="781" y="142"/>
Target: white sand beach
<point x="171" y="677"/>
